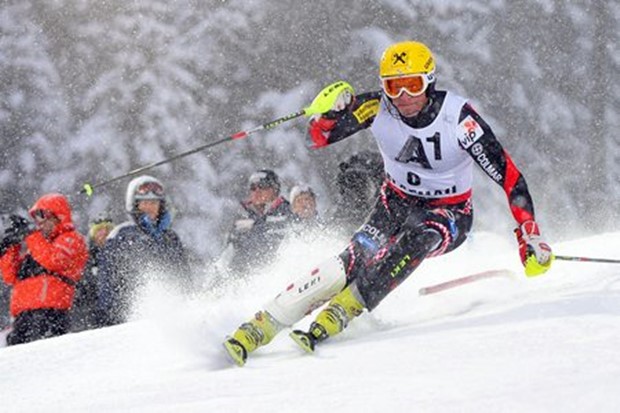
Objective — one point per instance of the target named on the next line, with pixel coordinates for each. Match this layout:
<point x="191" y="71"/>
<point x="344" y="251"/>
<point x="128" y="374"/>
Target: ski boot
<point x="251" y="335"/>
<point x="332" y="320"/>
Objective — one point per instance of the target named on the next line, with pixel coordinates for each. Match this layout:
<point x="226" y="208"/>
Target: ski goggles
<point x="414" y="85"/>
<point x="150" y="188"/>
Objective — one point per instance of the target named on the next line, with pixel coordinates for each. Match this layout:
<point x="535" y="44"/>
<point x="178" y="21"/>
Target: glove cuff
<point x="529" y="228"/>
<point x="319" y="131"/>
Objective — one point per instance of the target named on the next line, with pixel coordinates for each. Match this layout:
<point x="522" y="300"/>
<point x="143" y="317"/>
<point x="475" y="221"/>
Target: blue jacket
<point x="135" y="253"/>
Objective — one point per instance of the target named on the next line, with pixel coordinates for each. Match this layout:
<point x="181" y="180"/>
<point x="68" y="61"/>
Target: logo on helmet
<point x="399" y="57"/>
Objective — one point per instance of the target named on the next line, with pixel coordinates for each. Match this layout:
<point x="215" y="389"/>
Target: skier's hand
<point x="335" y="97"/>
<point x="324" y="110"/>
<point x="535" y="253"/>
<point x="319" y="130"/>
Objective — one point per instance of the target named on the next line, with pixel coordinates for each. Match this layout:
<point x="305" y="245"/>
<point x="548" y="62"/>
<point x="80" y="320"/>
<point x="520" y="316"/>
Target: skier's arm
<point x="477" y="138"/>
<point x="336" y="125"/>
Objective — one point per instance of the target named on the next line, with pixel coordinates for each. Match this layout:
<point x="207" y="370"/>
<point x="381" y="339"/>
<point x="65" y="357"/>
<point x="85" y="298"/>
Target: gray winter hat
<point x="265" y="178"/>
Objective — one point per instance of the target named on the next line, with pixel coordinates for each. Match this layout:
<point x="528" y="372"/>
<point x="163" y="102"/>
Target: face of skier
<point x="409" y="106"/>
<point x="150" y="207"/>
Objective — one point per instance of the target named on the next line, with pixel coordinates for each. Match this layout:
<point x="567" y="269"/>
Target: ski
<point x="463" y="281"/>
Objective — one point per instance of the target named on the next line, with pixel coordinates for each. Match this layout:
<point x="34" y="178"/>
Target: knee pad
<point x="308" y="292"/>
<point x="436" y="228"/>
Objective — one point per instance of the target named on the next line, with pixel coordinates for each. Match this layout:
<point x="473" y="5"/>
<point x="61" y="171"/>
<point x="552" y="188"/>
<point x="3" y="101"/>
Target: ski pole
<point x="464" y="280"/>
<point x="88" y="188"/>
<point x="321" y="104"/>
<point x="585" y="259"/>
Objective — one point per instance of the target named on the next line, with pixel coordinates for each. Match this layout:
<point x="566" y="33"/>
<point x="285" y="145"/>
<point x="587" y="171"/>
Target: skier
<point x="43" y="265"/>
<point x="137" y="249"/>
<point x="429" y="140"/>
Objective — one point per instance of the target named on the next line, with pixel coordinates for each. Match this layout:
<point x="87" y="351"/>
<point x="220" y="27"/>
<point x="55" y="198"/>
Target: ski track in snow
<point x="506" y="343"/>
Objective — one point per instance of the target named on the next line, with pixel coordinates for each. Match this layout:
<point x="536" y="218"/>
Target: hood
<point x="55" y="203"/>
<point x="131" y="195"/>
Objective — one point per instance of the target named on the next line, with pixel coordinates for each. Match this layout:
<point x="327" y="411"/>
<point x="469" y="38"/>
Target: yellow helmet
<point x="407" y="58"/>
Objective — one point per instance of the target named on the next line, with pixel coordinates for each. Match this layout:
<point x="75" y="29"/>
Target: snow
<point x="502" y="344"/>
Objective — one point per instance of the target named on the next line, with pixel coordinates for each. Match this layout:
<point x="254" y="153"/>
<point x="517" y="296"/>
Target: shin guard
<point x="308" y="292"/>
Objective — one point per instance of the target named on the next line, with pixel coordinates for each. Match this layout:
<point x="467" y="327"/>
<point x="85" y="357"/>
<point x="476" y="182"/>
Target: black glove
<point x="16" y="230"/>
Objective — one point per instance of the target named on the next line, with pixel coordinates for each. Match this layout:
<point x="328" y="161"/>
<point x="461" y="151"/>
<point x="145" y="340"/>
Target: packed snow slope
<point x="546" y="344"/>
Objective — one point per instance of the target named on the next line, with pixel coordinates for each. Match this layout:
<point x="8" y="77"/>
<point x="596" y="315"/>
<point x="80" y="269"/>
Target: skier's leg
<point x="298" y="299"/>
<point x="311" y="290"/>
<point x="425" y="233"/>
<point x="373" y="237"/>
<point x="369" y="287"/>
<point x="334" y="318"/>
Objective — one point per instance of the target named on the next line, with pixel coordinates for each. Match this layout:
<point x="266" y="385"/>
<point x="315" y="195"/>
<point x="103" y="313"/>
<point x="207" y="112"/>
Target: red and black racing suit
<point x="402" y="229"/>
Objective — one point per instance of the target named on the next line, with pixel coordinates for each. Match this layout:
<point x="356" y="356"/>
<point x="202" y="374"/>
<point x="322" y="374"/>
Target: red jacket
<point x="44" y="274"/>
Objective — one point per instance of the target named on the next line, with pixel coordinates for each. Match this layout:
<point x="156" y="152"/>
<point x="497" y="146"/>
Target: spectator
<point x="304" y="208"/>
<point x="43" y="266"/>
<point x="261" y="225"/>
<point x="140" y="250"/>
<point x="358" y="181"/>
<point x="85" y="307"/>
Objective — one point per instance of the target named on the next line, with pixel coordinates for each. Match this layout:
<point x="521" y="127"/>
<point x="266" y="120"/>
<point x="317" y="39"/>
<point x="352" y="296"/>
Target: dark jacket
<point x="135" y="253"/>
<point x="255" y="238"/>
<point x="84" y="312"/>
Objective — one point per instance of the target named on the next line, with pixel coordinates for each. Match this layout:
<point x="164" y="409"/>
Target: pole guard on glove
<point x="333" y="98"/>
<point x="336" y="97"/>
<point x="535" y="253"/>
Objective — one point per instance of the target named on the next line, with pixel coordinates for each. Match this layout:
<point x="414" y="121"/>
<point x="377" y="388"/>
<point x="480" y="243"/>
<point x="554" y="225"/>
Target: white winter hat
<point x="141" y="188"/>
<point x="301" y="189"/>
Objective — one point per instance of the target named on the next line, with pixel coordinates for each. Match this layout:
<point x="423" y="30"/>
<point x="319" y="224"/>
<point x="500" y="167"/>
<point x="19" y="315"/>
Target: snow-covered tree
<point x="33" y="113"/>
